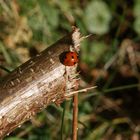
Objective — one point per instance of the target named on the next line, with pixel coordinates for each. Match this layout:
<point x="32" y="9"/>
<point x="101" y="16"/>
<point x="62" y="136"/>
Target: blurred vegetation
<point x="110" y="59"/>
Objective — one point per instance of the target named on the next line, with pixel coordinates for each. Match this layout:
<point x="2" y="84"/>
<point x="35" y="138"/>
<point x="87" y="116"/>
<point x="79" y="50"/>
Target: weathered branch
<point x="36" y="84"/>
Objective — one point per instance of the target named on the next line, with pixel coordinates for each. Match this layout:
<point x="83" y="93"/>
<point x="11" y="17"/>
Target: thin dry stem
<point x="75" y="117"/>
<point x="79" y="91"/>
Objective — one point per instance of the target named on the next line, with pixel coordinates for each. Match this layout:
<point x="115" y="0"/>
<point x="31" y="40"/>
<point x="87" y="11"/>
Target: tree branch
<point x="36" y="84"/>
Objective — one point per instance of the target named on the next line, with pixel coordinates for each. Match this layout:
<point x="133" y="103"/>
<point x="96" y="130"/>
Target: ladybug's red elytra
<point x="69" y="58"/>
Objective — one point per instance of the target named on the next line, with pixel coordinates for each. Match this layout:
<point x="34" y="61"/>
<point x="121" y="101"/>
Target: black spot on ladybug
<point x="72" y="56"/>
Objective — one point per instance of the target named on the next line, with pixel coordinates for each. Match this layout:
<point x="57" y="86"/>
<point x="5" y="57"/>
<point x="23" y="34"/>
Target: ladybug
<point x="69" y="58"/>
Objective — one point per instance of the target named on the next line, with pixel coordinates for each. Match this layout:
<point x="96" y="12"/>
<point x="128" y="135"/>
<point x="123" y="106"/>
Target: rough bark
<point x="35" y="84"/>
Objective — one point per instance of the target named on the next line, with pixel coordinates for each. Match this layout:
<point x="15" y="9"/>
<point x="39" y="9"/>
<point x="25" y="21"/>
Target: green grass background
<point x="109" y="112"/>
